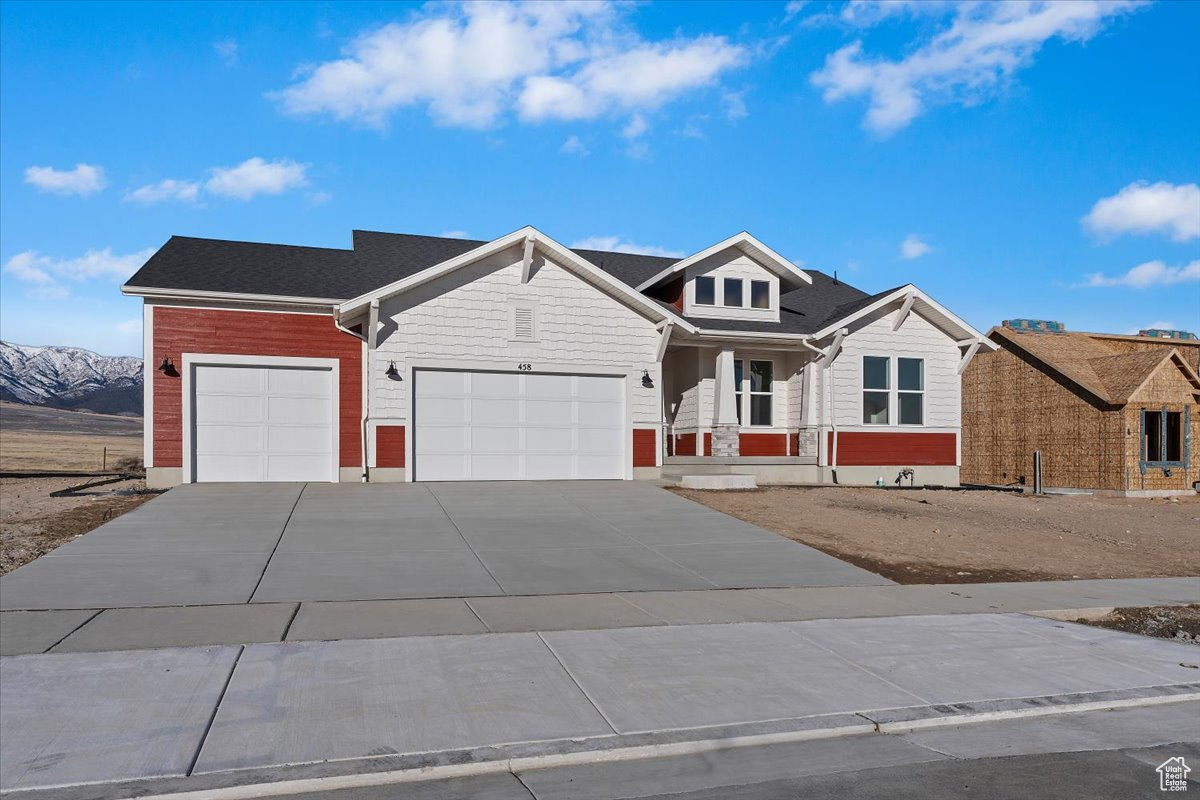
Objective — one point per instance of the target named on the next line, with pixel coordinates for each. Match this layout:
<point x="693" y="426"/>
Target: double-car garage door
<point x="517" y="426"/>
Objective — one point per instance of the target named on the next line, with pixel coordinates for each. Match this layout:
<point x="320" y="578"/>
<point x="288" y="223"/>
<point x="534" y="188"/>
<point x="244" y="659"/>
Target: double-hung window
<point x="910" y="388"/>
<point x="754" y="379"/>
<point x="876" y="389"/>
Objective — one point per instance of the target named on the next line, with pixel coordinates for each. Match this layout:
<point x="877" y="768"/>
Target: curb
<point x="372" y="771"/>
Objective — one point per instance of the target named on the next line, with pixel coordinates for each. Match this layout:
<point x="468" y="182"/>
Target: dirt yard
<point x="33" y="439"/>
<point x="32" y="523"/>
<point x="1180" y="623"/>
<point x="925" y="536"/>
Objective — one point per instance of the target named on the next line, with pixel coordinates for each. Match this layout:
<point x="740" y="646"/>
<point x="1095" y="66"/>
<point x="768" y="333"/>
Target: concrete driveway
<point x="270" y="543"/>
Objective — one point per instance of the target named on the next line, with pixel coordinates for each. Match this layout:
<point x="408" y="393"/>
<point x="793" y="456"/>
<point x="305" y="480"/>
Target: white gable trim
<point x="747" y="244"/>
<point x="913" y="298"/>
<point x="560" y="254"/>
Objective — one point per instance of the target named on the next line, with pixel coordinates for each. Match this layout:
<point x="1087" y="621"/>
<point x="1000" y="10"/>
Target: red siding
<point x="645" y="449"/>
<point x="762" y="444"/>
<point x="708" y="444"/>
<point x="685" y="444"/>
<point x="389" y="446"/>
<point x="250" y="333"/>
<point x="886" y="448"/>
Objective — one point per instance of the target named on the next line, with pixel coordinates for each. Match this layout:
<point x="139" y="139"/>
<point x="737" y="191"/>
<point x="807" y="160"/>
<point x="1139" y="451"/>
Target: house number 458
<point x="525" y="367"/>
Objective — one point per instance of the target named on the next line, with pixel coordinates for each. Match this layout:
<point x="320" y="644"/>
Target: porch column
<point x="726" y="427"/>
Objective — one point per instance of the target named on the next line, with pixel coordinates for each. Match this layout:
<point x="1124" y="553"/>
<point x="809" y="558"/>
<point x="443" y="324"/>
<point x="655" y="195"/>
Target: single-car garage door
<point x="517" y="426"/>
<point x="262" y="423"/>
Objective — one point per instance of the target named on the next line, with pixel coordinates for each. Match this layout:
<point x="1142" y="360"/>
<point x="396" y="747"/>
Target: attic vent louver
<point x="524" y="323"/>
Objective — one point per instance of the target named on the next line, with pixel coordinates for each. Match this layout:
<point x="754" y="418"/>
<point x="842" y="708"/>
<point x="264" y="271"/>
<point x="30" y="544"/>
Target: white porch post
<point x="725" y="407"/>
<point x="726" y="426"/>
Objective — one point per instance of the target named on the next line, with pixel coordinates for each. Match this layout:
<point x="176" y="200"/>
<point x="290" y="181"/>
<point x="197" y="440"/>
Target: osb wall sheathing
<point x="1155" y="477"/>
<point x="1012" y="408"/>
<point x="1189" y="349"/>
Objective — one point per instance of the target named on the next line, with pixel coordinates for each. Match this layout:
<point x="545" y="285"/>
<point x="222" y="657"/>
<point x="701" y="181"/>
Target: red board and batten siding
<point x="645" y="447"/>
<point x="389" y="446"/>
<point x="895" y="449"/>
<point x="250" y="333"/>
<point x="762" y="444"/>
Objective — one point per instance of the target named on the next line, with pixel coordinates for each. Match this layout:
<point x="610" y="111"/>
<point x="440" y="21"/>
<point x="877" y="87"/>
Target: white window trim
<point x="714" y="303"/>
<point x="899" y="391"/>
<point x="192" y="360"/>
<point x="725" y="281"/>
<point x="743" y="391"/>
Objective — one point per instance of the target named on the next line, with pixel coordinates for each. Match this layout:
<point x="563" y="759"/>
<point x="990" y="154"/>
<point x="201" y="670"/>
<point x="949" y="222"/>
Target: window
<point x="910" y="388"/>
<point x="760" y="294"/>
<point x="706" y="291"/>
<point x="1162" y="438"/>
<point x="734" y="292"/>
<point x="876" y="386"/>
<point x="755" y="379"/>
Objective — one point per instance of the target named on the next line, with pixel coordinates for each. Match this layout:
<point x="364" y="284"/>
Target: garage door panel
<point x="550" y="439"/>
<point x="229" y="408"/>
<point x="217" y="438"/>
<point x="494" y="467"/>
<point x="262" y="423"/>
<point x="234" y="380"/>
<point x="599" y="440"/>
<point x="494" y="411"/>
<point x="441" y="410"/>
<point x="602" y="414"/>
<point x="298" y="410"/>
<point x="495" y="384"/>
<point x="518" y="426"/>
<point x="440" y="439"/>
<point x="550" y="412"/>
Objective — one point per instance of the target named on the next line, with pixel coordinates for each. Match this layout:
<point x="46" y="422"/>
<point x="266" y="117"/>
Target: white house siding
<point x="731" y="263"/>
<point x="917" y="338"/>
<point x="462" y="320"/>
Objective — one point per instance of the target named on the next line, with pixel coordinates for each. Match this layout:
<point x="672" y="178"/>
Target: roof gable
<point x="788" y="272"/>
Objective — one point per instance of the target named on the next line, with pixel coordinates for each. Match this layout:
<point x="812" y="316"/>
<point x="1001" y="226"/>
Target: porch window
<point x="876" y="389"/>
<point x="754" y="379"/>
<point x="734" y="292"/>
<point x="706" y="290"/>
<point x="910" y="388"/>
<point x="760" y="294"/>
<point x="1163" y="438"/>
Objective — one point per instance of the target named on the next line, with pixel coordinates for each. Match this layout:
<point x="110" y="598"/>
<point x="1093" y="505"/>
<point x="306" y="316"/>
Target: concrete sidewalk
<point x="93" y="630"/>
<point x="221" y="714"/>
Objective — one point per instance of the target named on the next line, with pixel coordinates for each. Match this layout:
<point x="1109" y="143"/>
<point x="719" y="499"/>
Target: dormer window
<point x="735" y="295"/>
<point x="706" y="291"/>
<point x="760" y="294"/>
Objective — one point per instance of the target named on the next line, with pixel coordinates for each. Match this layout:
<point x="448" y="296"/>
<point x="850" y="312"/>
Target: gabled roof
<point x="1110" y="375"/>
<point x="910" y="297"/>
<point x="788" y="272"/>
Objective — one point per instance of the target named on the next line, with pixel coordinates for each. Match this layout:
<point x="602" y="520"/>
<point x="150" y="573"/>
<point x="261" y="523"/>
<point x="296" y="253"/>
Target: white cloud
<point x="85" y="179"/>
<point x="164" y="191"/>
<point x="255" y="176"/>
<point x="1143" y="207"/>
<point x="913" y="247"/>
<point x="227" y="51"/>
<point x="615" y="244"/>
<point x="46" y="272"/>
<point x="574" y="146"/>
<point x="470" y="64"/>
<point x="636" y="127"/>
<point x="453" y="234"/>
<point x="793" y="8"/>
<point x="1152" y="273"/>
<point x="982" y="47"/>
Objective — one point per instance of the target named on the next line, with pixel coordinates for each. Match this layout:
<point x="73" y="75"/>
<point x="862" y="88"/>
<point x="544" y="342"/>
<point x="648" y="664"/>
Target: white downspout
<point x="366" y="397"/>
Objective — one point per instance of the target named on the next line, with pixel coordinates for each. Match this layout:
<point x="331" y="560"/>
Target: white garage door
<point x="262" y="424"/>
<point x="494" y="426"/>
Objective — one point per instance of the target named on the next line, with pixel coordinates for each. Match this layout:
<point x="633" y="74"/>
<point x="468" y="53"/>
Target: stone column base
<point x="726" y="442"/>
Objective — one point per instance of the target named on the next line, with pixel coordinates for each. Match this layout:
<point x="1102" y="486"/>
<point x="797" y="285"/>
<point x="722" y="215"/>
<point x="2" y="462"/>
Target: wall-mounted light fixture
<point x="392" y="372"/>
<point x="647" y="381"/>
<point x="166" y="367"/>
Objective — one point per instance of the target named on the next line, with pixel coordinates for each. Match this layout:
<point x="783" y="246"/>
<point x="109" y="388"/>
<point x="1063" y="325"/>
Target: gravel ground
<point x="1180" y="623"/>
<point x="32" y="523"/>
<point x="925" y="536"/>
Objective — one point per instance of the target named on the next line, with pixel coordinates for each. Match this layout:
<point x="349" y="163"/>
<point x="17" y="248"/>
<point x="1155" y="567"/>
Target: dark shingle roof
<point x="377" y="259"/>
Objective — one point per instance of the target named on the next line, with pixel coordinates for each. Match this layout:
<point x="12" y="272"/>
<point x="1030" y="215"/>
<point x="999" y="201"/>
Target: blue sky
<point x="1013" y="160"/>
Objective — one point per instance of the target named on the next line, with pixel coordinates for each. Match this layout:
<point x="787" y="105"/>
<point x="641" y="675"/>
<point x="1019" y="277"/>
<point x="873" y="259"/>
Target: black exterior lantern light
<point x="392" y="372"/>
<point x="647" y="381"/>
<point x="166" y="367"/>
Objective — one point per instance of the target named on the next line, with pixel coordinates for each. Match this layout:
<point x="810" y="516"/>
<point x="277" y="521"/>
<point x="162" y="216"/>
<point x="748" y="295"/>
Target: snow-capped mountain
<point x="70" y="377"/>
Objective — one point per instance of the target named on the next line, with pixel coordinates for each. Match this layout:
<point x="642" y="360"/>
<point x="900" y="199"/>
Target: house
<point x="1107" y="412"/>
<point x="519" y="358"/>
